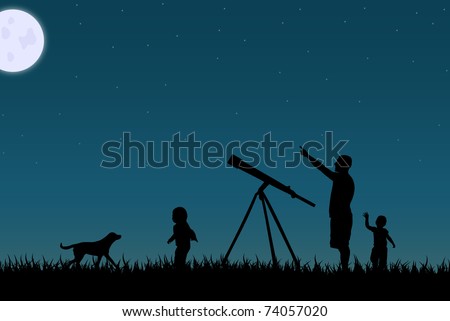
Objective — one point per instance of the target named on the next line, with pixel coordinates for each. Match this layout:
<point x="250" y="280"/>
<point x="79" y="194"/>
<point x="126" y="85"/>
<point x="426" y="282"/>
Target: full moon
<point x="21" y="40"/>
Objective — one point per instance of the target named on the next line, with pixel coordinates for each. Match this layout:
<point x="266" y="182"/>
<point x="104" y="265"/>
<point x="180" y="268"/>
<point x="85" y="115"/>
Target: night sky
<point x="374" y="73"/>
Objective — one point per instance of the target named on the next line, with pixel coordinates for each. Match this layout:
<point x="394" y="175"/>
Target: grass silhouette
<point x="209" y="279"/>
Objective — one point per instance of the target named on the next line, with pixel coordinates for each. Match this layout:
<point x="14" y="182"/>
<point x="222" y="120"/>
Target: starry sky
<point x="374" y="73"/>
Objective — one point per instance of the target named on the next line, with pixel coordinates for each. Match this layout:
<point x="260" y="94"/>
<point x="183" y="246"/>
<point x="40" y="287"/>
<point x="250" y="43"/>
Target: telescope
<point x="238" y="163"/>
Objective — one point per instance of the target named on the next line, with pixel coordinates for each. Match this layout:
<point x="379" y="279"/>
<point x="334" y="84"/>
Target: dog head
<point x="113" y="236"/>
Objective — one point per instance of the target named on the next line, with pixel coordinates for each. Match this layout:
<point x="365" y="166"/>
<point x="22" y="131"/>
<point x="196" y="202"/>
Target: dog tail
<point x="65" y="247"/>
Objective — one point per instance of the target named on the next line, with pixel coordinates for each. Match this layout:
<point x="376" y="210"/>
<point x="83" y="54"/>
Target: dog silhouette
<point x="98" y="248"/>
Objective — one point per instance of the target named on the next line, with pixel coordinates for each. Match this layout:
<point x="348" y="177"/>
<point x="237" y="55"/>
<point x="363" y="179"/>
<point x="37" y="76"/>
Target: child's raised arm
<point x="366" y="222"/>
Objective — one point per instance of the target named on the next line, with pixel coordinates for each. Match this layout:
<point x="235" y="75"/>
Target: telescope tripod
<point x="265" y="203"/>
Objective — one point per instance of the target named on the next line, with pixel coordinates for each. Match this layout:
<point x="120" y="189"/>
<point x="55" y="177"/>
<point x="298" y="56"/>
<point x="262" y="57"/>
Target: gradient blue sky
<point x="375" y="73"/>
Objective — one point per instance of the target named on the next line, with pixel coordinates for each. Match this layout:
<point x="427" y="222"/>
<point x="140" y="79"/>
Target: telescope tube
<point x="237" y="162"/>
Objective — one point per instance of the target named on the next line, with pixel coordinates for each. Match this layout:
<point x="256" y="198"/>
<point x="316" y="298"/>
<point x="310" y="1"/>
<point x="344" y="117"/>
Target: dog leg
<point x="112" y="261"/>
<point x="71" y="262"/>
<point x="97" y="263"/>
<point x="77" y="260"/>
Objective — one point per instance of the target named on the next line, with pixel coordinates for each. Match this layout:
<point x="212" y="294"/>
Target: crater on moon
<point x="5" y="33"/>
<point x="29" y="39"/>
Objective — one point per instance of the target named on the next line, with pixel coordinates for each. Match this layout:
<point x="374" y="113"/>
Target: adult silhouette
<point x="342" y="191"/>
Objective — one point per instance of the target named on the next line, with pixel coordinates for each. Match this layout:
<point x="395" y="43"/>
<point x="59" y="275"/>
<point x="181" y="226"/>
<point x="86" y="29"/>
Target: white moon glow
<point x="21" y="40"/>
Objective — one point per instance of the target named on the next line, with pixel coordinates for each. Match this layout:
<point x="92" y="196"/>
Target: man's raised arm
<point x="317" y="164"/>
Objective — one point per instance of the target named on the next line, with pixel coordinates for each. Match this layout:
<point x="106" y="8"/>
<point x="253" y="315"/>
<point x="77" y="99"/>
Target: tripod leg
<point x="269" y="234"/>
<point x="240" y="227"/>
<point x="281" y="230"/>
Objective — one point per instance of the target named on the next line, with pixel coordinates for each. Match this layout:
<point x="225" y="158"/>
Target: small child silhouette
<point x="378" y="257"/>
<point x="182" y="234"/>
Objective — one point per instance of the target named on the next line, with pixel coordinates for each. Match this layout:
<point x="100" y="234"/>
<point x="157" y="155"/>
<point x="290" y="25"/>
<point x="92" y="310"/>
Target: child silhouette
<point x="379" y="253"/>
<point x="182" y="234"/>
